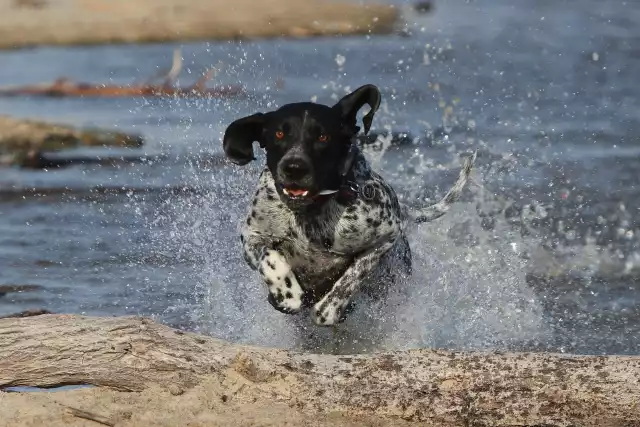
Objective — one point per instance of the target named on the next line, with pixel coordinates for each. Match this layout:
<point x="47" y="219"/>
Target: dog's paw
<point x="285" y="293"/>
<point x="329" y="311"/>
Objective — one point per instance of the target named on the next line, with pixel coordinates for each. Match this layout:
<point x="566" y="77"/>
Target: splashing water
<point x="543" y="252"/>
<point x="468" y="289"/>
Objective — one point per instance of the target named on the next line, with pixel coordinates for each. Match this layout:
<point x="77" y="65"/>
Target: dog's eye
<point x="323" y="138"/>
<point x="279" y="134"/>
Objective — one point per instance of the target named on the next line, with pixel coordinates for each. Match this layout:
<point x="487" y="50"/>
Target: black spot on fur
<point x="273" y="266"/>
<point x="289" y="295"/>
<point x="268" y="282"/>
<point x="287" y="282"/>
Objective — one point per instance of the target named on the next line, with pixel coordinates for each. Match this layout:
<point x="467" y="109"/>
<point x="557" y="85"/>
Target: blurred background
<point x="115" y="198"/>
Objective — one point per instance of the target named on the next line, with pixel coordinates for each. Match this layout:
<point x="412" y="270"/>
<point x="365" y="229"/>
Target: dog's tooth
<point x="305" y="193"/>
<point x="285" y="191"/>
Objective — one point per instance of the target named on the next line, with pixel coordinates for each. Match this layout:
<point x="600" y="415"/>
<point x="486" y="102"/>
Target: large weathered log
<point x="427" y="387"/>
<point x="67" y="22"/>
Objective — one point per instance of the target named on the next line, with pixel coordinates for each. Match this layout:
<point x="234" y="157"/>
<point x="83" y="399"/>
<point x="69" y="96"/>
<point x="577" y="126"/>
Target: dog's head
<point x="307" y="145"/>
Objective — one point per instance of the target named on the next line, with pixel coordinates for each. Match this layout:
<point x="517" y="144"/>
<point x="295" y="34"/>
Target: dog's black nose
<point x="295" y="168"/>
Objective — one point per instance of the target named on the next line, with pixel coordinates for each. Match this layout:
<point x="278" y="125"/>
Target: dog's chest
<point x="308" y="246"/>
<point x="321" y="245"/>
<point x="318" y="248"/>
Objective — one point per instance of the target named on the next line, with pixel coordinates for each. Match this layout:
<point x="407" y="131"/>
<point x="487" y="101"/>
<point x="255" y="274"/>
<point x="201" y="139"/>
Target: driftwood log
<point x="23" y="140"/>
<point x="24" y="134"/>
<point x="85" y="22"/>
<point x="65" y="87"/>
<point x="425" y="387"/>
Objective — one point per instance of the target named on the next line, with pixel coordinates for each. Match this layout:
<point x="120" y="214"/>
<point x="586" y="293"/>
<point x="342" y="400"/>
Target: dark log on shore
<point x="22" y="135"/>
<point x="26" y="313"/>
<point x="10" y="289"/>
<point x="22" y="140"/>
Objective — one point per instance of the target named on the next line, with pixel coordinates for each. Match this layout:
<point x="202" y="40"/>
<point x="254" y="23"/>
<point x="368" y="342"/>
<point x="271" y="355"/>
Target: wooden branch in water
<point x="425" y="387"/>
<point x="64" y="87"/>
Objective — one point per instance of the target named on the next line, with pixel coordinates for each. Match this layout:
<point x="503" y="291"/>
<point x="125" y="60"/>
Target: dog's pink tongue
<point x="296" y="192"/>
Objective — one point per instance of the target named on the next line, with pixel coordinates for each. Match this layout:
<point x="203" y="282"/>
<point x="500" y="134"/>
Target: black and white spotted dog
<point x="322" y="223"/>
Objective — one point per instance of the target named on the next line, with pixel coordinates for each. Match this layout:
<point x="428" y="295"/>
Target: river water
<point x="542" y="253"/>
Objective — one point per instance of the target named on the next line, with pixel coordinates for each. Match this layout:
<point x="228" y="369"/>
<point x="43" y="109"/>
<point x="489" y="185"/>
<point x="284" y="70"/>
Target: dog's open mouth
<point x="296" y="192"/>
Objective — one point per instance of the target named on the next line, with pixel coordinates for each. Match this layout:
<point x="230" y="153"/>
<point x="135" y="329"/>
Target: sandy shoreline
<point x="81" y="22"/>
<point x="207" y="404"/>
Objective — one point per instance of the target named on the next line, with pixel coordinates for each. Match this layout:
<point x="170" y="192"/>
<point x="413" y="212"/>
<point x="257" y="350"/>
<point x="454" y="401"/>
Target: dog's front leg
<point x="328" y="311"/>
<point x="285" y="293"/>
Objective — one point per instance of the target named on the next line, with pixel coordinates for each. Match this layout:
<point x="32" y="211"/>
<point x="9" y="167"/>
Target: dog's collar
<point x="349" y="188"/>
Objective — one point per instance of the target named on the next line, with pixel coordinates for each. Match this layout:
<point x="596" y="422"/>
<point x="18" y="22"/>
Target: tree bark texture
<point x="425" y="387"/>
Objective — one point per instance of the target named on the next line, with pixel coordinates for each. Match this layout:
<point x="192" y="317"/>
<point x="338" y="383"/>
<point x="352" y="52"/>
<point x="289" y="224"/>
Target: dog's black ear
<point x="351" y="104"/>
<point x="239" y="138"/>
